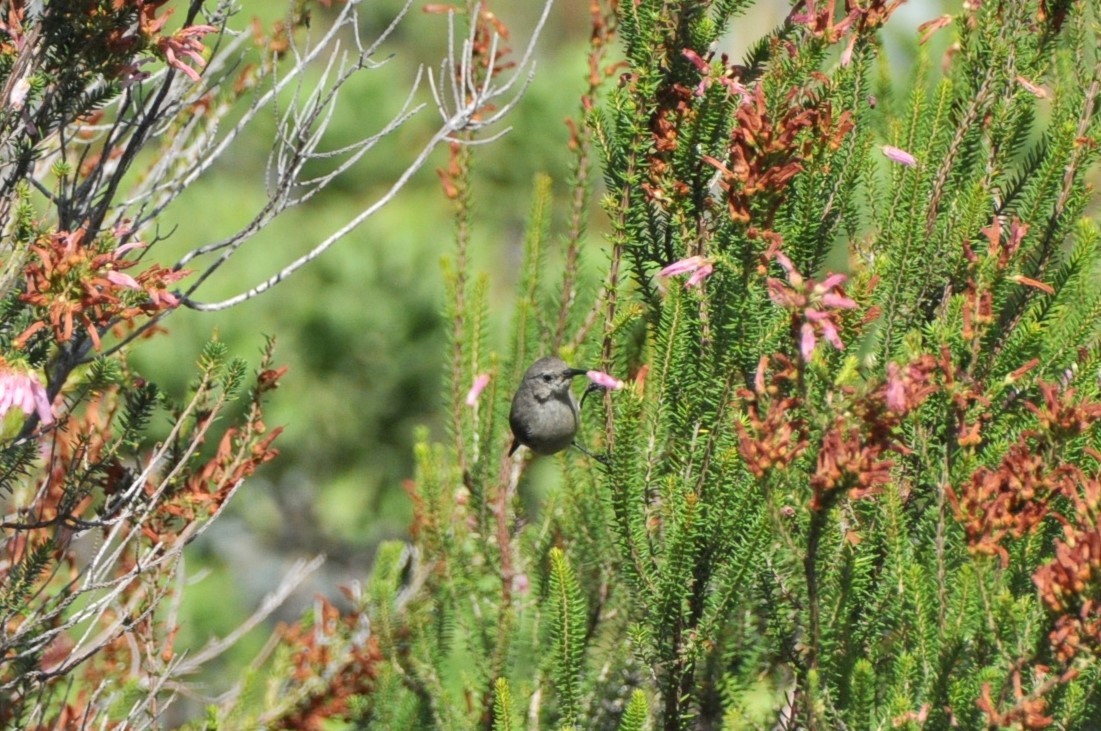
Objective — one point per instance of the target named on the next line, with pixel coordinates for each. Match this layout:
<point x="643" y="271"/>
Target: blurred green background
<point x="361" y="329"/>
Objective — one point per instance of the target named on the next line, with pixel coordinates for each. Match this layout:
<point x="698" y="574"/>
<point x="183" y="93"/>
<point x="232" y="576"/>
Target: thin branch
<point x="464" y="117"/>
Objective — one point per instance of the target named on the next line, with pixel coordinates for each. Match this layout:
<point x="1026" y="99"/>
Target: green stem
<point x="814" y="534"/>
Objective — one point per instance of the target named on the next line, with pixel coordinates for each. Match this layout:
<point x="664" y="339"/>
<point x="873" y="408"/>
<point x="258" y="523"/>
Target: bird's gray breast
<point x="547" y="426"/>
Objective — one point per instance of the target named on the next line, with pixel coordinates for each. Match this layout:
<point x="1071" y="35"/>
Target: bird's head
<point x="550" y="377"/>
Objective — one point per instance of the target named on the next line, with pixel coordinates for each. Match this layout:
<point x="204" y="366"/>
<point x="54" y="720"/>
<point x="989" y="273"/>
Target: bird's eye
<point x="547" y="378"/>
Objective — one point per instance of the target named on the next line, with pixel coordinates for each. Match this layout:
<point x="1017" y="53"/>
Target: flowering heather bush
<point x="848" y="331"/>
<point x="853" y="475"/>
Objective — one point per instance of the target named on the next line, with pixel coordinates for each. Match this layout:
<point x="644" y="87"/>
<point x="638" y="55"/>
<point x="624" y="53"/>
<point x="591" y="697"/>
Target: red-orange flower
<point x="774" y="437"/>
<point x="76" y="283"/>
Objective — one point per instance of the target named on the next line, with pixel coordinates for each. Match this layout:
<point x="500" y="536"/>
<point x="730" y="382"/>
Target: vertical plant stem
<point x="506" y="487"/>
<point x="814" y="535"/>
<point x="606" y="349"/>
<point x="461" y="163"/>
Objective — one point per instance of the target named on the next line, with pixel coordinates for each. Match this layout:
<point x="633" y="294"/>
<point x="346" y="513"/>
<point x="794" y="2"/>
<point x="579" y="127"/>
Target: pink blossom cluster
<point x="22" y="390"/>
<point x="817" y="302"/>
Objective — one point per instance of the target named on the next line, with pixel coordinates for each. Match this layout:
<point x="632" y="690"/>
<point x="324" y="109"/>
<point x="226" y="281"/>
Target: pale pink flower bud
<point x="759" y="378"/>
<point x="23" y="390"/>
<point x="122" y="279"/>
<point x="839" y="301"/>
<point x="830" y="282"/>
<point x="783" y="260"/>
<point x="699" y="267"/>
<point x="700" y="274"/>
<point x="480" y="383"/>
<point x="807" y="341"/>
<point x="896" y="389"/>
<point x="832" y="335"/>
<point x="697" y="61"/>
<point x="683" y="266"/>
<point x="900" y="156"/>
<point x="128" y="247"/>
<point x="847" y="54"/>
<point x="602" y="379"/>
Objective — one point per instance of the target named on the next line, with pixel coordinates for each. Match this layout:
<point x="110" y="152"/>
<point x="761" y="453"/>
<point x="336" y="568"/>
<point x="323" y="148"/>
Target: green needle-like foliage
<point x="634" y="718"/>
<point x="502" y="707"/>
<point x="567" y="628"/>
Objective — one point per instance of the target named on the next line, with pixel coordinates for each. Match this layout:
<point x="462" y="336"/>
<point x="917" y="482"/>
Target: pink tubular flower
<point x="816" y="302"/>
<point x="186" y="43"/>
<point x="128" y="247"/>
<point x="699" y="267"/>
<point x="22" y="390"/>
<point x="696" y="60"/>
<point x="909" y="385"/>
<point x="122" y="279"/>
<point x="683" y="266"/>
<point x="898" y="155"/>
<point x="896" y="389"/>
<point x="847" y="54"/>
<point x="480" y="383"/>
<point x="825" y="322"/>
<point x="602" y="379"/>
<point x="700" y="274"/>
<point x="807" y="340"/>
<point x="131" y="74"/>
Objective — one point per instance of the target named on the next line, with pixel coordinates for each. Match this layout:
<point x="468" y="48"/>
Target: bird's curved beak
<point x="575" y="372"/>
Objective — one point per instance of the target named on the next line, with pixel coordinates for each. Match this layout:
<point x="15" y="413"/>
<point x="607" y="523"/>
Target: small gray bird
<point x="545" y="415"/>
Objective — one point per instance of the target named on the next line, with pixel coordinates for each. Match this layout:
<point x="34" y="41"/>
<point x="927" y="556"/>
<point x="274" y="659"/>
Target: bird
<point x="545" y="414"/>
